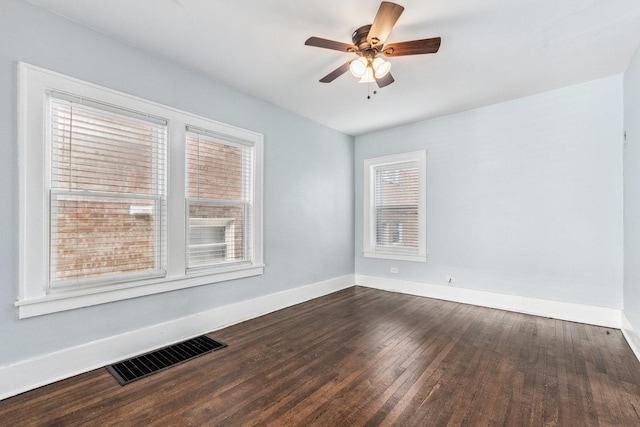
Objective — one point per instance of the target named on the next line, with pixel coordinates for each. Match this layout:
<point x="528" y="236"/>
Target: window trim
<point x="370" y="165"/>
<point x="34" y="83"/>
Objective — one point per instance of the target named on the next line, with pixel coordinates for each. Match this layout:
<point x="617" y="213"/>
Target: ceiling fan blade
<point x="330" y="44"/>
<point x="335" y="73"/>
<point x="385" y="81"/>
<point x="383" y="23"/>
<point x="414" y="47"/>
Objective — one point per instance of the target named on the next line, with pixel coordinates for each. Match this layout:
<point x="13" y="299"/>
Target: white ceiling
<point x="492" y="50"/>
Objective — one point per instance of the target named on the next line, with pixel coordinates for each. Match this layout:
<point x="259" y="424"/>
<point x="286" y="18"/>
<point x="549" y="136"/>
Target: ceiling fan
<point x="368" y="42"/>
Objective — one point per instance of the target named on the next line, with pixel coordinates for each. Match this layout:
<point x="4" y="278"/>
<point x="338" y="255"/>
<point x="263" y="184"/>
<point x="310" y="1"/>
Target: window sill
<point x="69" y="300"/>
<point x="396" y="256"/>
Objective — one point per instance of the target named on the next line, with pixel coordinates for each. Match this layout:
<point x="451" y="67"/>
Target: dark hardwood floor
<point x="362" y="357"/>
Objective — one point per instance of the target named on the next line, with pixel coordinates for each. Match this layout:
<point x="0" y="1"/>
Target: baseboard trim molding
<point x="600" y="316"/>
<point x="631" y="334"/>
<point x="29" y="374"/>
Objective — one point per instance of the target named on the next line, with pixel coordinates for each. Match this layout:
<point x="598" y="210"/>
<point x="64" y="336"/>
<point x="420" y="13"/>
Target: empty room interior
<point x="354" y="212"/>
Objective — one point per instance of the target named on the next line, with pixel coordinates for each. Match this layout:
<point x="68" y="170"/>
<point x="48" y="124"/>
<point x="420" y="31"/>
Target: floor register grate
<point x="147" y="364"/>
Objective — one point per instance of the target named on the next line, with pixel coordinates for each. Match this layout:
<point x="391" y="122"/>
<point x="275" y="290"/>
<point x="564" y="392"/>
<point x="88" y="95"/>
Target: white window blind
<point x="219" y="200"/>
<point x="108" y="193"/>
<point x="396" y="207"/>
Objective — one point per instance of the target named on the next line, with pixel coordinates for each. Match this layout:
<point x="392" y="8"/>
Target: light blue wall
<point x="523" y="197"/>
<point x="632" y="192"/>
<point x="308" y="211"/>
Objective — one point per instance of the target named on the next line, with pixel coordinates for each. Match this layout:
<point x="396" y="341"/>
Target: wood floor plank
<point x="363" y="357"/>
<point x="429" y="380"/>
<point x="551" y="408"/>
<point x="484" y="396"/>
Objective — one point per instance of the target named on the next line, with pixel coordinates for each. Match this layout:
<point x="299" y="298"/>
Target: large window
<point x="109" y="209"/>
<point x="395" y="207"/>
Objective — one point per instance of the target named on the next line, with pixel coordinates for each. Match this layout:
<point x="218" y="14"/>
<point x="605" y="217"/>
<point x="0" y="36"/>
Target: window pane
<point x="216" y="234"/>
<point x="94" y="236"/>
<point x="396" y="206"/>
<point x="397" y="226"/>
<point x="215" y="170"/>
<point x="207" y="234"/>
<point x="101" y="151"/>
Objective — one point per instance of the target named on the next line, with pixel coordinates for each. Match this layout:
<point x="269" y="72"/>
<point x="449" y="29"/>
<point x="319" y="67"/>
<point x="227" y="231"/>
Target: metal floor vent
<point x="142" y="366"/>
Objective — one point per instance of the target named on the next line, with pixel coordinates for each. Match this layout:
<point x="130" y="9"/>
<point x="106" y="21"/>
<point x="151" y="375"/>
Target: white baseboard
<point x="42" y="370"/>
<point x="601" y="316"/>
<point x="631" y="334"/>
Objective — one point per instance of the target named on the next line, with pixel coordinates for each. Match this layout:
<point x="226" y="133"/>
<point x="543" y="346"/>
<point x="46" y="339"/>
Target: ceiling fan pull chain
<point x="375" y="92"/>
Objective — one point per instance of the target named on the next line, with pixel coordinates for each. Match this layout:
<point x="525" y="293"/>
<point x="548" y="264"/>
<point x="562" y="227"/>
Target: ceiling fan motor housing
<point x="359" y="38"/>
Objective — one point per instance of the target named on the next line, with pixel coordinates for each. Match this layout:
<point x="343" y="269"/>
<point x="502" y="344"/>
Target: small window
<point x="395" y="207"/>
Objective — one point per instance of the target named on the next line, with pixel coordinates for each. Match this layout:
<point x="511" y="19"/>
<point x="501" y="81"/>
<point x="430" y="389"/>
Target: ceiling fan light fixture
<point x="368" y="76"/>
<point x="358" y="67"/>
<point x="380" y="67"/>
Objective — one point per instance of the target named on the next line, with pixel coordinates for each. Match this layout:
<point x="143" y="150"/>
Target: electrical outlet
<point x="394" y="270"/>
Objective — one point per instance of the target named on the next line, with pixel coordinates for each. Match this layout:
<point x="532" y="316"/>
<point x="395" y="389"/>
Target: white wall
<point x="632" y="202"/>
<point x="308" y="210"/>
<point x="523" y="198"/>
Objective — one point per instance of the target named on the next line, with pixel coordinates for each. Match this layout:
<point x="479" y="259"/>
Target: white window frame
<point x="34" y="296"/>
<point x="369" y="235"/>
